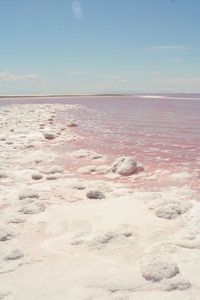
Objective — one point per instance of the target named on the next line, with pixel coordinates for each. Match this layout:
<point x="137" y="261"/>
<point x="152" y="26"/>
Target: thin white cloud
<point x="6" y="76"/>
<point x="77" y="9"/>
<point x="77" y="73"/>
<point x="167" y="47"/>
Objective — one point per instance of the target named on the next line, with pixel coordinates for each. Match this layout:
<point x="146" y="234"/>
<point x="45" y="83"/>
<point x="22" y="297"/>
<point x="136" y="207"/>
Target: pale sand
<point x="58" y="244"/>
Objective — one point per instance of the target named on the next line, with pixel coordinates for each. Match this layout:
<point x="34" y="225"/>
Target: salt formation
<point x="120" y="236"/>
<point x="124" y="166"/>
<point x="87" y="169"/>
<point x="3" y="174"/>
<point x="16" y="219"/>
<point x="6" y="234"/>
<point x="52" y="170"/>
<point x="156" y="268"/>
<point x="95" y="194"/>
<point x="94" y="169"/>
<point x="78" y="186"/>
<point x="2" y="138"/>
<point x="49" y="135"/>
<point x="172" y="209"/>
<point x="176" y="283"/>
<point x="168" y="211"/>
<point x="100" y="241"/>
<point x="33" y="208"/>
<point x="72" y="123"/>
<point x="14" y="254"/>
<point x="28" y="194"/>
<point x="36" y="176"/>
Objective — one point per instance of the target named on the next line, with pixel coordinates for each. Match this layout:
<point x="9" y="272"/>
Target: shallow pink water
<point x="162" y="133"/>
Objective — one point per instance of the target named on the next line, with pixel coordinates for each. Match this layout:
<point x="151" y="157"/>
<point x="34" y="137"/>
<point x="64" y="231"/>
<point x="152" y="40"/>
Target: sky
<point x="99" y="46"/>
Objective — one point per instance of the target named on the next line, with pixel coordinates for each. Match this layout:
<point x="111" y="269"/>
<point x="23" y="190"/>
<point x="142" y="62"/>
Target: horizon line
<point x="97" y="94"/>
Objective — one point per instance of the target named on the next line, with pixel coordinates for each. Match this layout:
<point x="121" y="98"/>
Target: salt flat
<point x="57" y="242"/>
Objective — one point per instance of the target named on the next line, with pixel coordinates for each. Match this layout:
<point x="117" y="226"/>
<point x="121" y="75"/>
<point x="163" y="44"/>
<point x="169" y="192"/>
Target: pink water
<point x="162" y="133"/>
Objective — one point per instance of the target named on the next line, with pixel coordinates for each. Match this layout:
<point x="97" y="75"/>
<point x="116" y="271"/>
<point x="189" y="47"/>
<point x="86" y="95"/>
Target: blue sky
<point x="98" y="46"/>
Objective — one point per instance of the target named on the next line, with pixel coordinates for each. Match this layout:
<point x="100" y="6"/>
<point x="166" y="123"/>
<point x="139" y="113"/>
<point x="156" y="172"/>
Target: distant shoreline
<point x="67" y="95"/>
<point x="145" y="95"/>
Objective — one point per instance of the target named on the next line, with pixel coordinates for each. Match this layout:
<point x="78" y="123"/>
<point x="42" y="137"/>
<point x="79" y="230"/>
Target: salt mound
<point x="72" y="123"/>
<point x="95" y="194"/>
<point x="166" y="212"/>
<point x="156" y="268"/>
<point x="34" y="208"/>
<point x="99" y="241"/>
<point x="100" y="185"/>
<point x="52" y="170"/>
<point x="171" y="210"/>
<point x="87" y="169"/>
<point x="124" y="166"/>
<point x="176" y="283"/>
<point x="104" y="239"/>
<point x="14" y="254"/>
<point x="5" y="234"/>
<point x="28" y="194"/>
<point x="16" y="219"/>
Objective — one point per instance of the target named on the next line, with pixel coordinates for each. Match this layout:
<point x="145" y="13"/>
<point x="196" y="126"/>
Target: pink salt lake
<point x="163" y="133"/>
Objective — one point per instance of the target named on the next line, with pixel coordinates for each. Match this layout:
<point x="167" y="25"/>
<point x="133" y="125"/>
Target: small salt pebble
<point x="37" y="161"/>
<point x="36" y="176"/>
<point x="51" y="177"/>
<point x="49" y="135"/>
<point x="2" y="138"/>
<point x="71" y="124"/>
<point x="3" y="174"/>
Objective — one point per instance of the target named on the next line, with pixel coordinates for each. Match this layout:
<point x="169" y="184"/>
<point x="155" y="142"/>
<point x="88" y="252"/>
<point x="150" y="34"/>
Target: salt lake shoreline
<point x="139" y="94"/>
<point x="65" y="236"/>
